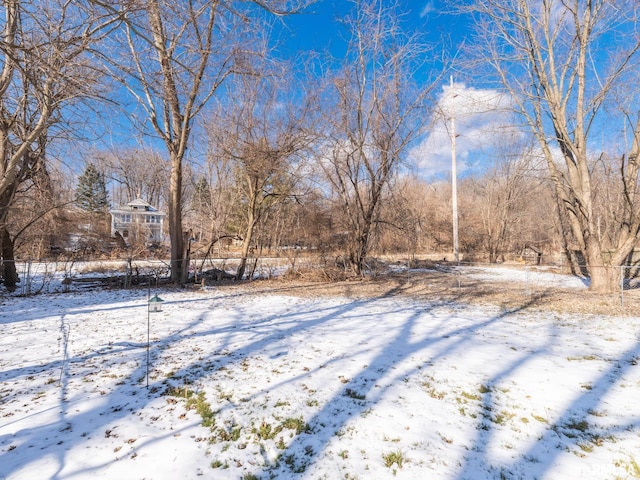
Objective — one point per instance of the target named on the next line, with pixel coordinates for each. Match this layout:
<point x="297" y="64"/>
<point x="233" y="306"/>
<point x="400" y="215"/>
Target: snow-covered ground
<point x="245" y="385"/>
<point x="532" y="275"/>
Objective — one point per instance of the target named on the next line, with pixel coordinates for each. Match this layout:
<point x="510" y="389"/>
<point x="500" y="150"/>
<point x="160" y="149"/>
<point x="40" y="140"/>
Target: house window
<point x="126" y="218"/>
<point x="150" y="219"/>
<point x="125" y="233"/>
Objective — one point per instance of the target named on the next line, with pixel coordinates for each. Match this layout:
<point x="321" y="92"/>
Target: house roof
<point x="137" y="206"/>
<point x="139" y="203"/>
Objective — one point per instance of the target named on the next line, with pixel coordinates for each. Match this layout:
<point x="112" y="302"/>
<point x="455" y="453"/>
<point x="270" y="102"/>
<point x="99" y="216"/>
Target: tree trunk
<point x="176" y="234"/>
<point x="186" y="256"/>
<point x="360" y="252"/>
<point x="246" y="246"/>
<point x="604" y="278"/>
<point x="9" y="271"/>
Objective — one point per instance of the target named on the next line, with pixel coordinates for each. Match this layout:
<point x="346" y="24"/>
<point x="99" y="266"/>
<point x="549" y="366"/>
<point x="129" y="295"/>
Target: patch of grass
<point x="471" y="396"/>
<point x="203" y="409"/>
<point x="353" y="394"/>
<point x="585" y="447"/>
<point x="392" y="458"/>
<point x="290" y="461"/>
<point x="306" y="388"/>
<point x="431" y="390"/>
<point x="343" y="454"/>
<point x="180" y="392"/>
<point x="502" y="417"/>
<point x="583" y="357"/>
<point x="581" y="426"/>
<point x="484" y="389"/>
<point x="297" y="424"/>
<point x="266" y="431"/>
<point x="219" y="464"/>
<point x="631" y="467"/>
<point x="539" y="418"/>
<point x="221" y="434"/>
<point x="225" y="396"/>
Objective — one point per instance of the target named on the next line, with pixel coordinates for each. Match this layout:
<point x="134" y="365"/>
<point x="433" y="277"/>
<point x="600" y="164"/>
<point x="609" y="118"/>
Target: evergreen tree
<point x="91" y="193"/>
<point x="202" y="196"/>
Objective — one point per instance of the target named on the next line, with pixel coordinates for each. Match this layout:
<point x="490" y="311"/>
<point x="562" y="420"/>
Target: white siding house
<point x="138" y="222"/>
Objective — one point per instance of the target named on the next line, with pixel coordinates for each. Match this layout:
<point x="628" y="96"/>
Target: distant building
<point x="138" y="222"/>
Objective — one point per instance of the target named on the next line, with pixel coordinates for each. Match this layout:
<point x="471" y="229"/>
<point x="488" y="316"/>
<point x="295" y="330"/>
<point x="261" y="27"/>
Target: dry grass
<point x="435" y="285"/>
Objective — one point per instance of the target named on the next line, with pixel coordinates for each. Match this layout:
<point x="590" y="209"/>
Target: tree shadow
<point x="241" y="337"/>
<point x="574" y="431"/>
<point x="267" y="330"/>
<point x="368" y="386"/>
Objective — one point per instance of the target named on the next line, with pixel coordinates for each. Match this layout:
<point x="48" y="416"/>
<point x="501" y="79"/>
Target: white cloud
<point x="427" y="9"/>
<point x="482" y="117"/>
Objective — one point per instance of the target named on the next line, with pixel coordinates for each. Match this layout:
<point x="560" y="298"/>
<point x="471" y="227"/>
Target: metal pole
<point x="622" y="275"/>
<point x="148" y="326"/>
<point x="148" y="329"/>
<point x="454" y="182"/>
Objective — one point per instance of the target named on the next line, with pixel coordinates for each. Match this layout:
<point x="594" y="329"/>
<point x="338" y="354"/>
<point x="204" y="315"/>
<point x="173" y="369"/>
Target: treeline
<point x="239" y="145"/>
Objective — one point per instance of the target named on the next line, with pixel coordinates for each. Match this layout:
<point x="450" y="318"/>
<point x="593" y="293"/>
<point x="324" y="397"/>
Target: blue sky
<point x="319" y="29"/>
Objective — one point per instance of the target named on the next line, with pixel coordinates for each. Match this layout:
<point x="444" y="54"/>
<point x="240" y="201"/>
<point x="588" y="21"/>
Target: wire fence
<point x="51" y="276"/>
<point x="623" y="282"/>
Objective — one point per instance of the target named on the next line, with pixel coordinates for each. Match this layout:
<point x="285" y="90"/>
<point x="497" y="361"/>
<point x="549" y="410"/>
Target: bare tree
<point x="135" y="173"/>
<point x="501" y="196"/>
<point x="179" y="54"/>
<point x="214" y="199"/>
<point x="404" y="212"/>
<point x="562" y="61"/>
<point x="261" y="131"/>
<point x="376" y="109"/>
<point x="44" y="68"/>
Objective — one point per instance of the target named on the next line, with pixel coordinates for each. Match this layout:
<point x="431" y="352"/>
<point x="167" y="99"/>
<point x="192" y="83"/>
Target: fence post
<point x="27" y="278"/>
<point x="622" y="267"/>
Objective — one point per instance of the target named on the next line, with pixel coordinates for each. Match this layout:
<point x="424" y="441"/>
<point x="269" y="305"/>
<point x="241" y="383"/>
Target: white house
<point x="138" y="221"/>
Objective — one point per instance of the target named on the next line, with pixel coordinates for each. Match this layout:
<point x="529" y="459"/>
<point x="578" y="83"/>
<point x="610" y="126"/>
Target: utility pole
<point x="454" y="181"/>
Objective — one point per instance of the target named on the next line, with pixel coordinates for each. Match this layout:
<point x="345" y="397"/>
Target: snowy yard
<point x="246" y="384"/>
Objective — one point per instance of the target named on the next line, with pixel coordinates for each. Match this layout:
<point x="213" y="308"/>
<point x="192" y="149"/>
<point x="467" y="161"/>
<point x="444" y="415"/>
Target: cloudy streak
<point x="482" y="117"/>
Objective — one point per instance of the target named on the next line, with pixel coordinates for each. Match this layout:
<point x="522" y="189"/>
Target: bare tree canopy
<point x="376" y="108"/>
<point x="570" y="67"/>
<point x="260" y="129"/>
<point x="45" y="66"/>
<point x="175" y="57"/>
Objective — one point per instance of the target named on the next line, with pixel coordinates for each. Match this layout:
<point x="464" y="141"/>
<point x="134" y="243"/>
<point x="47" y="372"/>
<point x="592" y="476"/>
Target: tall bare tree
<point x="502" y="195"/>
<point x="179" y="53"/>
<point x="375" y="115"/>
<point x="260" y="128"/>
<point x="135" y="172"/>
<point x="44" y="68"/>
<point x="563" y="62"/>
